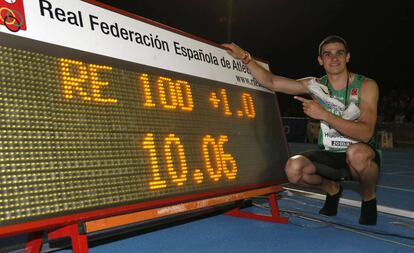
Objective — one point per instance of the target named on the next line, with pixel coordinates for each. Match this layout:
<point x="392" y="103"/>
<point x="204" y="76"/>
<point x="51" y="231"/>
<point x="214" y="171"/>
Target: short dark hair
<point x="333" y="39"/>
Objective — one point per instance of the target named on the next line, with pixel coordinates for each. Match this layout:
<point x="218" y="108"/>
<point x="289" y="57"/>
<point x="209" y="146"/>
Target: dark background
<point x="287" y="33"/>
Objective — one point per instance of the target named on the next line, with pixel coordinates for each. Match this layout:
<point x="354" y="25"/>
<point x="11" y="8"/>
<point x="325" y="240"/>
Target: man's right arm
<point x="266" y="78"/>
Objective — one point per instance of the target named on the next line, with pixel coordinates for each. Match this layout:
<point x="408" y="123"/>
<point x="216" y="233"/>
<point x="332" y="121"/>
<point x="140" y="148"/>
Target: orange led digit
<point x="149" y="144"/>
<point x="97" y="84"/>
<point x="144" y="79"/>
<point x="70" y="82"/>
<point x="209" y="141"/>
<point x="189" y="105"/>
<point x="177" y="179"/>
<point x="227" y="111"/>
<point x="214" y="100"/>
<point x="227" y="158"/>
<point x="248" y="105"/>
<point x="172" y="103"/>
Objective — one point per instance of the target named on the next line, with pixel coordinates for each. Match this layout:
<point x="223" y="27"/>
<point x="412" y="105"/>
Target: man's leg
<point x="360" y="158"/>
<point x="300" y="170"/>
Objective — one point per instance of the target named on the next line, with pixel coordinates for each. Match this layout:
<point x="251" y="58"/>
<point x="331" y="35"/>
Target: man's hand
<point x="312" y="108"/>
<point x="264" y="76"/>
<point x="321" y="93"/>
<point x="234" y="50"/>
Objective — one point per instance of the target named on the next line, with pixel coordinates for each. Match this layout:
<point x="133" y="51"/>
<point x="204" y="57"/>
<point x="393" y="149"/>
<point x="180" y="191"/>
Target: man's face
<point x="334" y="58"/>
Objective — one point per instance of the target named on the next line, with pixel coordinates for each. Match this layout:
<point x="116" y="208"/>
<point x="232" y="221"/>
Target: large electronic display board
<point x="100" y="111"/>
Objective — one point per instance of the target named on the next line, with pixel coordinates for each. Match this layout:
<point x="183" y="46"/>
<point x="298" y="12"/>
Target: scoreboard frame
<point x="66" y="220"/>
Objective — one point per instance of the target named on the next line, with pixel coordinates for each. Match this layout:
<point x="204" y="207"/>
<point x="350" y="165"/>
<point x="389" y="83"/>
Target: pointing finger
<point x="301" y="99"/>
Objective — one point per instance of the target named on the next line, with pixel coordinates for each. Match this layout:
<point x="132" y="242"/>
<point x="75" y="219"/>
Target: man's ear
<point x="348" y="57"/>
<point x="320" y="61"/>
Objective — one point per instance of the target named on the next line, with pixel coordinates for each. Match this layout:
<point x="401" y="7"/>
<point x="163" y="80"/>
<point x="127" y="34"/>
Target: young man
<point x="346" y="105"/>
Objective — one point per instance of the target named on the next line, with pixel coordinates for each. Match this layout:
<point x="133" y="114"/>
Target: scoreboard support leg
<point x="79" y="240"/>
<point x="34" y="243"/>
<point x="274" y="217"/>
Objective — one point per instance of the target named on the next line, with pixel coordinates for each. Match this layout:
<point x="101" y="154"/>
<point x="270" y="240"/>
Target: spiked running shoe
<point x="321" y="93"/>
<point x="352" y="112"/>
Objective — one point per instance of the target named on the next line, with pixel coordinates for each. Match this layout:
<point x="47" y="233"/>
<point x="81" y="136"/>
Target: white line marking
<point x="395" y="188"/>
<point x="354" y="203"/>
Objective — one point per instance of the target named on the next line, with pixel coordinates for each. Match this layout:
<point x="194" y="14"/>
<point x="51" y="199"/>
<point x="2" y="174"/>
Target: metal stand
<point x="79" y="240"/>
<point x="34" y="243"/>
<point x="274" y="217"/>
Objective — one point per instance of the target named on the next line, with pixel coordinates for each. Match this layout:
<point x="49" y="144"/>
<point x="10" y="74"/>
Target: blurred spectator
<point x="410" y="110"/>
<point x="397" y="107"/>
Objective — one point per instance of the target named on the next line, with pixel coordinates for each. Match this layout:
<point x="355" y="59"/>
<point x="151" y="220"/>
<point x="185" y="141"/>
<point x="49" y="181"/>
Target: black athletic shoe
<point x="368" y="212"/>
<point x="330" y="208"/>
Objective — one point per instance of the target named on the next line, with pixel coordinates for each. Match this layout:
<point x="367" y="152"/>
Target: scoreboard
<point x="91" y="122"/>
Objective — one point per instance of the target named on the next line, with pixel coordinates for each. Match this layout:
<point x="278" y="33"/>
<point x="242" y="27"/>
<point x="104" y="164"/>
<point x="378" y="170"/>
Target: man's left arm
<point x="361" y="130"/>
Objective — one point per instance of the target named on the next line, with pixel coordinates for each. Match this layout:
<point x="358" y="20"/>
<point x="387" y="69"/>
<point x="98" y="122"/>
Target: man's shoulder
<point x="369" y="88"/>
<point x="366" y="79"/>
<point x="369" y="83"/>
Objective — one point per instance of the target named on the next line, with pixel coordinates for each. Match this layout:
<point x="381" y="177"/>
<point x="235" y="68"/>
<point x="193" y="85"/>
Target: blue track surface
<point x="307" y="231"/>
<point x="229" y="234"/>
<point x="396" y="183"/>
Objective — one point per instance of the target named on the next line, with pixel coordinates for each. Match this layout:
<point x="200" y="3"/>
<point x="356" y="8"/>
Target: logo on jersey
<point x="354" y="94"/>
<point x="12" y="15"/>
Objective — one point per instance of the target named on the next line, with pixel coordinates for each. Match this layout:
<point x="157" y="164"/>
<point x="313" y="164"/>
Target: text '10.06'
<point x="217" y="162"/>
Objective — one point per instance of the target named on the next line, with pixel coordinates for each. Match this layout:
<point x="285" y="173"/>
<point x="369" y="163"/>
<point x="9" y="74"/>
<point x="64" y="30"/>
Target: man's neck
<point x="340" y="80"/>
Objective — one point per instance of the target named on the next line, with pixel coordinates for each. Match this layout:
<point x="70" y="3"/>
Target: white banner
<point x="87" y="27"/>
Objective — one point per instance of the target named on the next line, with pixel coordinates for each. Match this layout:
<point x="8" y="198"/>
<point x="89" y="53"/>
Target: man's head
<point x="333" y="54"/>
<point x="332" y="39"/>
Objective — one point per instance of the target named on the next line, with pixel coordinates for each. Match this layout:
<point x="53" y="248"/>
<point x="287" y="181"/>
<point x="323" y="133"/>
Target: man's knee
<point x="359" y="156"/>
<point x="294" y="168"/>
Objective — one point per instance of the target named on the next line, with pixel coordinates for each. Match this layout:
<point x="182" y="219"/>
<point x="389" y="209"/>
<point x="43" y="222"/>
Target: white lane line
<point x="354" y="203"/>
<point x="395" y="188"/>
<point x="403" y="173"/>
<point x="387" y="187"/>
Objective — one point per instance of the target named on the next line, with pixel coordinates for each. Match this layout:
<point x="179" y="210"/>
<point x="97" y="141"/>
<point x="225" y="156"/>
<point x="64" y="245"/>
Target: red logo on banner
<point x="12" y="15"/>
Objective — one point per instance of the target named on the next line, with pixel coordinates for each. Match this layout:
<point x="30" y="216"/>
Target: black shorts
<point x="333" y="165"/>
